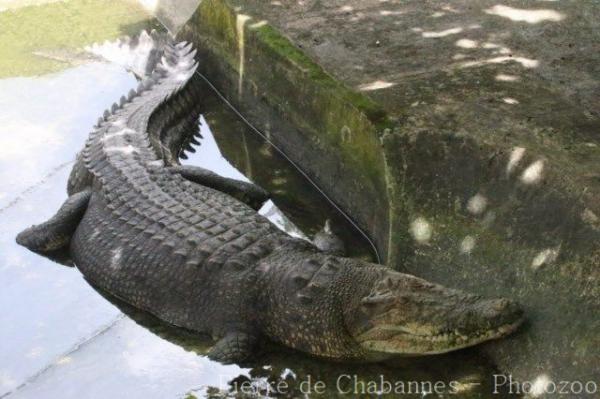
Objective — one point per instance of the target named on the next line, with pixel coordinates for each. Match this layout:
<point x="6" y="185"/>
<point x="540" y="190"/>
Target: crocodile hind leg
<point x="235" y="347"/>
<point x="52" y="237"/>
<point x="249" y="193"/>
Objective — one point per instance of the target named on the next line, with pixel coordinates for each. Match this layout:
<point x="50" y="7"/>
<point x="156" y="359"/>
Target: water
<point x="61" y="338"/>
<point x="232" y="149"/>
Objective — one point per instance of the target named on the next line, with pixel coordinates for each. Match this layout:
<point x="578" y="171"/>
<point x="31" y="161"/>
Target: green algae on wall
<point x="261" y="66"/>
<point x="46" y="38"/>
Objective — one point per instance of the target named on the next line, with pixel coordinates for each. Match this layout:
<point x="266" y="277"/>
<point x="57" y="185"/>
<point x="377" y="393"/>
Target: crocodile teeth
<point x="122" y="101"/>
<point x="106" y="114"/>
<point x="100" y="120"/>
<point x="183" y="156"/>
<point x="191" y="149"/>
<point x="131" y="95"/>
<point x="194" y="141"/>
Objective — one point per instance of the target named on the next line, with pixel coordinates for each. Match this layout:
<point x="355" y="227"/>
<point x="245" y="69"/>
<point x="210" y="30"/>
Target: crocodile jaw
<point x="405" y="315"/>
<point x="395" y="341"/>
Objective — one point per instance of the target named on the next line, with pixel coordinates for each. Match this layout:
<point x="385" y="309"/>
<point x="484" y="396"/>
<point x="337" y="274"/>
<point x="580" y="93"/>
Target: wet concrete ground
<point x="59" y="337"/>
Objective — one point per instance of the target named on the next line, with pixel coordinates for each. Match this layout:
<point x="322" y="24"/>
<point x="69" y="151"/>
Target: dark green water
<point x="231" y="148"/>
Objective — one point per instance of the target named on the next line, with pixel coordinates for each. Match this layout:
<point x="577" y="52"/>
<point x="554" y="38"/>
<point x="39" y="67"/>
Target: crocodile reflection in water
<point x="275" y="371"/>
<point x="188" y="246"/>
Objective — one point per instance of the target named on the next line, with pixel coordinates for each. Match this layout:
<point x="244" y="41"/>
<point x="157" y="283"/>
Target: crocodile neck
<point x="304" y="294"/>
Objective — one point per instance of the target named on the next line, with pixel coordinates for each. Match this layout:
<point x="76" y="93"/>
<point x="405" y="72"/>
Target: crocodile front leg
<point x="235" y="347"/>
<point x="249" y="193"/>
<point x="55" y="234"/>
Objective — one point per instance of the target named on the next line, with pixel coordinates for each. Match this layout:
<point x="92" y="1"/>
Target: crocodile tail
<point x="177" y="64"/>
<point x="166" y="83"/>
<point x="174" y="128"/>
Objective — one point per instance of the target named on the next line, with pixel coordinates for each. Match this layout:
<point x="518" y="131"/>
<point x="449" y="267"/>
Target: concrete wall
<point x="453" y="182"/>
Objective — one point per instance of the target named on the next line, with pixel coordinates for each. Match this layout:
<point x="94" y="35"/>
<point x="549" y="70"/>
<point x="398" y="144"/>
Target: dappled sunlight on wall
<point x="467" y="244"/>
<point x="499" y="210"/>
<point x="443" y="33"/>
<point x="545" y="257"/>
<point x="240" y="22"/>
<point x="524" y="61"/>
<point x="522" y="15"/>
<point x="503" y="77"/>
<point x="376" y="85"/>
<point x="421" y="230"/>
<point x="510" y="100"/>
<point x="477" y="204"/>
<point x="540" y="385"/>
<point x="150" y="5"/>
<point x="534" y="172"/>
<point x="515" y="158"/>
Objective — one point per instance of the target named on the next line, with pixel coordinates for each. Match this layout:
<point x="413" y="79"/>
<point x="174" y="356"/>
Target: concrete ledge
<point x="481" y="174"/>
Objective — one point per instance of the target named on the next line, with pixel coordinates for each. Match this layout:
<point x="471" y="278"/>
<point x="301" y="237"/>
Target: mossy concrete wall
<point x="458" y="177"/>
<point x="300" y="107"/>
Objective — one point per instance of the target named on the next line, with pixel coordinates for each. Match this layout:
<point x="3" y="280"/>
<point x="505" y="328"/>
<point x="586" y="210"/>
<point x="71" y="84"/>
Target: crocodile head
<point x="406" y="315"/>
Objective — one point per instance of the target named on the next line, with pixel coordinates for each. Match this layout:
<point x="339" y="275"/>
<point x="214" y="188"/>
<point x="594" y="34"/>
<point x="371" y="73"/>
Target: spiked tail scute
<point x="131" y="95"/>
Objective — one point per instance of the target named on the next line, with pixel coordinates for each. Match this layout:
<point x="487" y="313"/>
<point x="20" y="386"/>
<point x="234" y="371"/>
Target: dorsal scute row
<point x="171" y="74"/>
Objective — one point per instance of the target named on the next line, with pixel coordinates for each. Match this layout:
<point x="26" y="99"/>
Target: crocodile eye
<point x="418" y="284"/>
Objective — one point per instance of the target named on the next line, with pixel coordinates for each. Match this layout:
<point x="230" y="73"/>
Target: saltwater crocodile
<point x="189" y="246"/>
